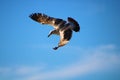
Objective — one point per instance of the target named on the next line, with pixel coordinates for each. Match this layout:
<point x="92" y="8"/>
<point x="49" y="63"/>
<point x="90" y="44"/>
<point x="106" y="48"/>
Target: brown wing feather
<point x="44" y="19"/>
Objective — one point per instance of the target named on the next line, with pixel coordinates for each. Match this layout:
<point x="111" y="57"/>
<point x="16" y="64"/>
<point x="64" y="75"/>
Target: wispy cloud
<point x="23" y="70"/>
<point x="19" y="71"/>
<point x="99" y="58"/>
<point x="103" y="57"/>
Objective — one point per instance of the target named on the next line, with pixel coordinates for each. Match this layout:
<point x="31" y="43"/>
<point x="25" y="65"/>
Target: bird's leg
<point x="52" y="32"/>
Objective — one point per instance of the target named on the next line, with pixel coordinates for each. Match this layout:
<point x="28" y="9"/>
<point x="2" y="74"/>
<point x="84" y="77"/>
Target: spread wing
<point x="44" y="19"/>
<point x="62" y="27"/>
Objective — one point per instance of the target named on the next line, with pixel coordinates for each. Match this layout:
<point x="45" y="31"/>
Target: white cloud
<point x="23" y="70"/>
<point x="68" y="71"/>
<point x="4" y="70"/>
<point x="99" y="58"/>
<point x="20" y="71"/>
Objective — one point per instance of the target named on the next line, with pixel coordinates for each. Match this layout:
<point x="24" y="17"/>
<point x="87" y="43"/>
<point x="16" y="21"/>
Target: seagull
<point x="61" y="27"/>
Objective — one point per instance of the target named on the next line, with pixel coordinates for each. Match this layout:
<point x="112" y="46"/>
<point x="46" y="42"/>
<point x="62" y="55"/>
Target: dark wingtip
<point x="77" y="26"/>
<point x="35" y="16"/>
<point x="32" y="16"/>
<point x="55" y="48"/>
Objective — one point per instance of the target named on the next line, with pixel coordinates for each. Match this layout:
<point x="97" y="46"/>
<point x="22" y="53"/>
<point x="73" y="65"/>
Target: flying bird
<point x="61" y="27"/>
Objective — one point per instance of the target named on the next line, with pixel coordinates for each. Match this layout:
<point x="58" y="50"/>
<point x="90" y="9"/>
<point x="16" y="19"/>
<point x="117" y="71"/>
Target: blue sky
<point x="92" y="54"/>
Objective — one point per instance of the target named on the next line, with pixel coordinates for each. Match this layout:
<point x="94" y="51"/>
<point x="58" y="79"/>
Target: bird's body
<point x="61" y="27"/>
